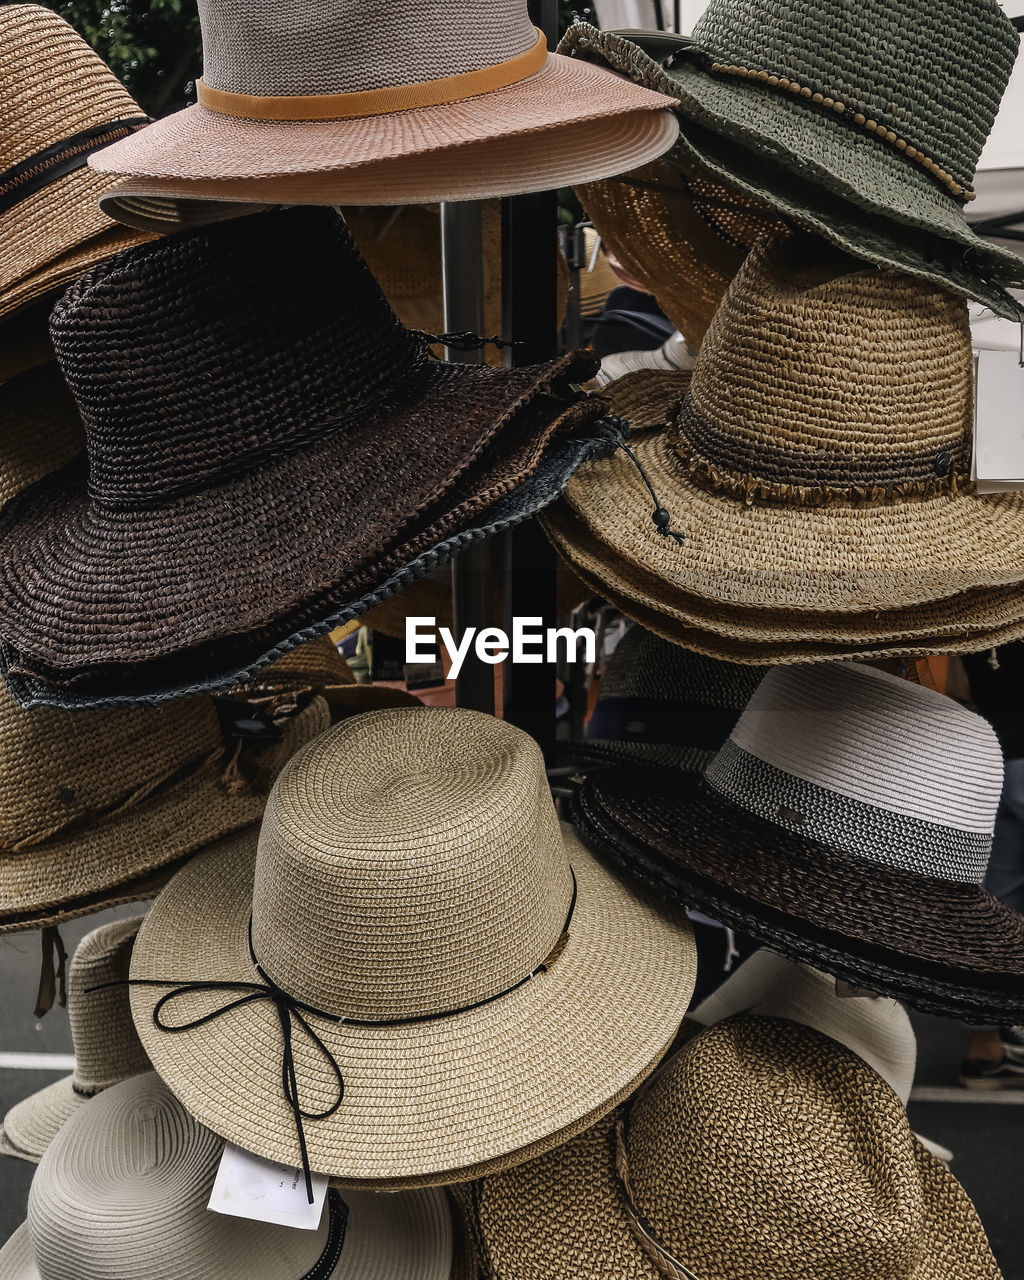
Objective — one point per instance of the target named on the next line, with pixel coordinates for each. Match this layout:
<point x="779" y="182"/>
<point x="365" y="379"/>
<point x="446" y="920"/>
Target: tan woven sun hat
<point x="762" y="1150"/>
<point x="61" y="104"/>
<point x="99" y="806"/>
<point x="682" y="238"/>
<point x="405" y="104"/>
<point x="123" y="1192"/>
<point x="107" y="1049"/>
<point x="40" y="427"/>
<point x="820" y="462"/>
<point x="440" y="1048"/>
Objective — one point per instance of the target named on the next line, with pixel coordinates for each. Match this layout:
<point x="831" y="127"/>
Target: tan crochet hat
<point x="60" y="105"/>
<point x="405" y="104"/>
<point x="97" y="802"/>
<point x="107" y="1050"/>
<point x="763" y="1150"/>
<point x="421" y="1051"/>
<point x="123" y="1192"/>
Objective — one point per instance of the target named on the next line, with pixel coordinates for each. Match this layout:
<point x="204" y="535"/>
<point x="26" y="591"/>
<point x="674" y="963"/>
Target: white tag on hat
<point x="998" y="461"/>
<point x="248" y="1187"/>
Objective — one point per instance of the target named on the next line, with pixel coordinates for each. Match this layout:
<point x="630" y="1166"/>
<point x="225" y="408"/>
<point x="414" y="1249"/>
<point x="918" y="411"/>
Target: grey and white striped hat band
<point x="868" y="764"/>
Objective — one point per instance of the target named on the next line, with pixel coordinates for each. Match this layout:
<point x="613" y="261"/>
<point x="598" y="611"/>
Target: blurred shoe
<point x="998" y="1073"/>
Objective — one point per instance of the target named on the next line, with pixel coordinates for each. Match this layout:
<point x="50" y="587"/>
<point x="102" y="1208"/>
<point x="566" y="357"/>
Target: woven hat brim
<point x="248" y="552"/>
<point x="56" y="235"/>
<point x="972" y="266"/>
<point x="201" y="144"/>
<point x="432" y="1096"/>
<point x="601" y="751"/>
<point x="32" y="1124"/>
<point x="565" y="1216"/>
<point x="979" y="612"/>
<point x="943" y="946"/>
<point x="16" y="1260"/>
<point x="87" y="870"/>
<point x="506" y="166"/>
<point x="42" y="430"/>
<point x="648" y="398"/>
<point x="130" y="686"/>
<point x="834" y="559"/>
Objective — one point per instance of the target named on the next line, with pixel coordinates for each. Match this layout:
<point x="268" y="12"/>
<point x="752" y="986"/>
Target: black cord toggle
<point x="660" y="515"/>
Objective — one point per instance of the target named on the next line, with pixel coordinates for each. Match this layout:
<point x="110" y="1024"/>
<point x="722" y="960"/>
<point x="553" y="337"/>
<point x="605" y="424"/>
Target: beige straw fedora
<point x="61" y="104"/>
<point x="123" y="1191"/>
<point x="762" y="1150"/>
<point x="418" y="1052"/>
<point x="398" y="104"/>
<point x="97" y="802"/>
<point x="820" y="462"/>
<point x="40" y="427"/>
<point x="107" y="1050"/>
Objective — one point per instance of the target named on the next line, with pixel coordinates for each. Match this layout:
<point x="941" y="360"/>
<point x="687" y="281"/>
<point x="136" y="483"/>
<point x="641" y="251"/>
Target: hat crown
<point x="644" y="665"/>
<point x="107" y="1047"/>
<point x="933" y="76"/>
<point x="53" y="86"/>
<point x="63" y="768"/>
<point x="302" y="47"/>
<point x="817" y="1149"/>
<point x="819" y="382"/>
<point x="870" y="764"/>
<point x="125" y="1185"/>
<point x="200" y="357"/>
<point x="410" y="863"/>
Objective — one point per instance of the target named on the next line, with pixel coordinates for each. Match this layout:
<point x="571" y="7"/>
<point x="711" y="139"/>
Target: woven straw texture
<point x="817" y="1174"/>
<point x="488" y="168"/>
<point x="232" y="665"/>
<point x="866" y="806"/>
<point x="93" y="802"/>
<point x="336" y="430"/>
<point x="123" y="1191"/>
<point x="26" y="345"/>
<point x="682" y="239"/>
<point x="107" y="1050"/>
<point x="645" y="401"/>
<point x="40" y="429"/>
<point x="53" y="86"/>
<point x="797" y="491"/>
<point x="390" y="823"/>
<point x="889" y="211"/>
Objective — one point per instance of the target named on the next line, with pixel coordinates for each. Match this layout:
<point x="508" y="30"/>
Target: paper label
<point x="248" y="1187"/>
<point x="998" y="459"/>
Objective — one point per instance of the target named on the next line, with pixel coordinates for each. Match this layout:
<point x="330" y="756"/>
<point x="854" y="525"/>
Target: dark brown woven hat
<point x="263" y="436"/>
<point x="847" y="823"/>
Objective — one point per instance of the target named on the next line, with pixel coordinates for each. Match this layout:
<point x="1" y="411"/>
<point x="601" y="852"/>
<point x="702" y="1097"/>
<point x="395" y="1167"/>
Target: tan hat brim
<point x="473" y="170"/>
<point x="834" y="559"/>
<point x="93" y="868"/>
<point x="16" y="1260"/>
<point x="434" y="1096"/>
<point x="32" y="1124"/>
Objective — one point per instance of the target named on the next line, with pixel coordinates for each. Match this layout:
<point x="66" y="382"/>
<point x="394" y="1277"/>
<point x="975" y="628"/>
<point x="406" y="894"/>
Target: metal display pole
<point x="529" y="290"/>
<point x="462" y="269"/>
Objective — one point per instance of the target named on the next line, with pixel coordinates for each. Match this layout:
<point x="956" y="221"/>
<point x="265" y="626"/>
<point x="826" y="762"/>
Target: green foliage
<point x="152" y="46"/>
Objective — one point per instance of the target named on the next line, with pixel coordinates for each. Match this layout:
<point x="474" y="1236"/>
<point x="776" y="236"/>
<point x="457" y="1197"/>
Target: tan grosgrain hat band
<point x="372" y="102"/>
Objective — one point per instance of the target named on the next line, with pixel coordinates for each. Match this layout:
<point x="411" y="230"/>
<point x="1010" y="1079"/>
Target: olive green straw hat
<point x="863" y="123"/>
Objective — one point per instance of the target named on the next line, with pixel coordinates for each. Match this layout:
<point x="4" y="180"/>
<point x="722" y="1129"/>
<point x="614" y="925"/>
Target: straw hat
<point x="659" y="704"/>
<point x="95" y="803"/>
<point x="282" y="481"/>
<point x="847" y="822"/>
<point x="763" y="1150"/>
<point x="26" y="345"/>
<point x="107" y="1050"/>
<point x="40" y="429"/>
<point x="878" y="156"/>
<point x="682" y="238"/>
<point x="823" y="495"/>
<point x="456" y="1046"/>
<point x="404" y="105"/>
<point x="61" y="105"/>
<point x="123" y="1191"/>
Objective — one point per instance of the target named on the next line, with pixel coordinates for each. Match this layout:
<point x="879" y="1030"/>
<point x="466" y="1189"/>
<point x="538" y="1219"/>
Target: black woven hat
<point x="846" y="823"/>
<point x="263" y="436"/>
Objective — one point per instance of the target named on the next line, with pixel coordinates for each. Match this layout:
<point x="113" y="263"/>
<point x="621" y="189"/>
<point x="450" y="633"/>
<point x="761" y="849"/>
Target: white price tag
<point x="998" y="462"/>
<point x="248" y="1187"/>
